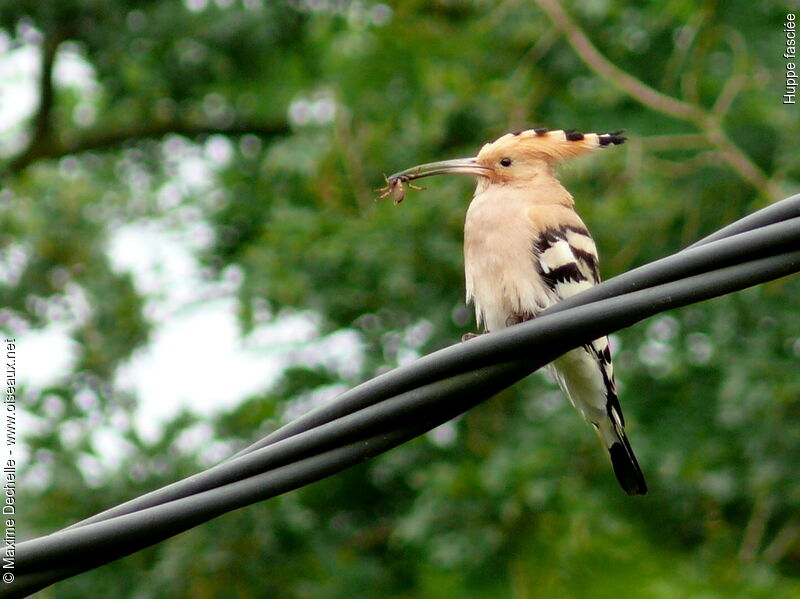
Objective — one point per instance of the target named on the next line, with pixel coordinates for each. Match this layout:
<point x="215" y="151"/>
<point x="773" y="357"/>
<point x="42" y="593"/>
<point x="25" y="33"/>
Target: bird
<point x="526" y="249"/>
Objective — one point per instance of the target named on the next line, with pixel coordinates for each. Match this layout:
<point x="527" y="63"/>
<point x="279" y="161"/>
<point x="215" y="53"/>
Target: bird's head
<point x="515" y="157"/>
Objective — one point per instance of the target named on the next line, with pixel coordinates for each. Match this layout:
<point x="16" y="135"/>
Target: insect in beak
<point x="394" y="188"/>
<point x="459" y="166"/>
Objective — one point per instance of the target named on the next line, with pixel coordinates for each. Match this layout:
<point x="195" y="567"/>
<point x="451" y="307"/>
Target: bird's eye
<point x="505" y="162"/>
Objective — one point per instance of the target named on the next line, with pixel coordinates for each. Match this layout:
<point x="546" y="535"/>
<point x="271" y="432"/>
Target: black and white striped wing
<point x="566" y="260"/>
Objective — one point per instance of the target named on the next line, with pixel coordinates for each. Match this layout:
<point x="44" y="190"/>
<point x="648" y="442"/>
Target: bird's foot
<point x="468" y="336"/>
<point x="518" y="318"/>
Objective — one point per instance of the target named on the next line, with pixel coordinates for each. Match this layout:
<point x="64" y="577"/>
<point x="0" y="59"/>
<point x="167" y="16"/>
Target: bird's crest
<point x="557" y="146"/>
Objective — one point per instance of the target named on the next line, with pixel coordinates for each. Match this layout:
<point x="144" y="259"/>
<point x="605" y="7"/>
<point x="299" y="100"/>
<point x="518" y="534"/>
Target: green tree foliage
<point x="299" y="107"/>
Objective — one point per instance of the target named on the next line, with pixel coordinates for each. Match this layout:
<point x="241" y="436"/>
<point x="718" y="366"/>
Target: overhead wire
<point x="406" y="402"/>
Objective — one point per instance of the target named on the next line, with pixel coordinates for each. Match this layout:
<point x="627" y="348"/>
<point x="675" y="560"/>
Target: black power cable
<point x="400" y="405"/>
<point x="768" y="239"/>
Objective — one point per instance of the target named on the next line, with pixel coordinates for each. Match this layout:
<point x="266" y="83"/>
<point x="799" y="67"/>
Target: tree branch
<point x="690" y="165"/>
<point x="608" y="70"/>
<point x="738" y="77"/>
<point x="43" y="118"/>
<point x="103" y="140"/>
<point x="754" y="531"/>
<point x="740" y="162"/>
<point x="686" y="141"/>
<point x="710" y="123"/>
<point x="783" y="541"/>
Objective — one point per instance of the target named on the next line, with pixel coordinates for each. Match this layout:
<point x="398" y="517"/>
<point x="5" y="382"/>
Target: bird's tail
<point x="591" y="391"/>
<point x="626" y="468"/>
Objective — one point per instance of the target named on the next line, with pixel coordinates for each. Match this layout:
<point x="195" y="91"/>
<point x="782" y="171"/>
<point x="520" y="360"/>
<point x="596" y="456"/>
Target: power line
<point x="408" y="401"/>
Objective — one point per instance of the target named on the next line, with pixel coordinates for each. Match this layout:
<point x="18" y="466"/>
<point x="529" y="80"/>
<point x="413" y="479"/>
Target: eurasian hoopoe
<point x="525" y="249"/>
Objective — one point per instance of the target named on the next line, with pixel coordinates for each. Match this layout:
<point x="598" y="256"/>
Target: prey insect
<point x="394" y="188"/>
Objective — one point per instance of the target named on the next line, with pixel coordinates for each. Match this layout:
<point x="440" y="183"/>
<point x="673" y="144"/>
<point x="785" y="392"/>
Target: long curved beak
<point x="458" y="166"/>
